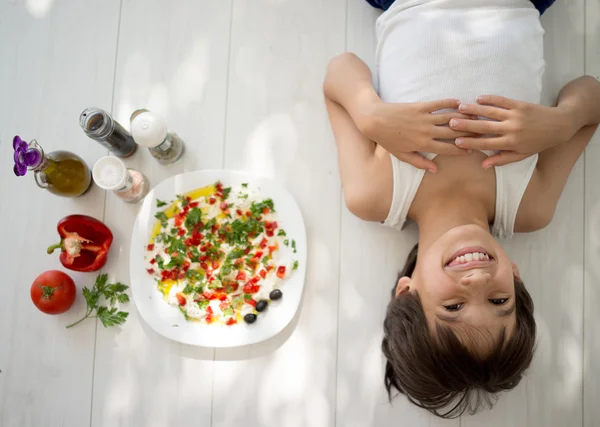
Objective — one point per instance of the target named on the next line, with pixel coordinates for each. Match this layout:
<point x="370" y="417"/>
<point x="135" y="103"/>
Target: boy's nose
<point x="476" y="277"/>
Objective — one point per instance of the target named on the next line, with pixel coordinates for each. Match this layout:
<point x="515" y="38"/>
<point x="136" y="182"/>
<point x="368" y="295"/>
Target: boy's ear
<point x="404" y="285"/>
<point x="516" y="273"/>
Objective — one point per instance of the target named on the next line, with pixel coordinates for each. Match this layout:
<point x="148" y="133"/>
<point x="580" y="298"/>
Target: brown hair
<point x="439" y="372"/>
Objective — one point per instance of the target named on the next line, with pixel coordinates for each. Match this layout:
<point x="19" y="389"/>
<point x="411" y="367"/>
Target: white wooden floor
<point x="240" y="81"/>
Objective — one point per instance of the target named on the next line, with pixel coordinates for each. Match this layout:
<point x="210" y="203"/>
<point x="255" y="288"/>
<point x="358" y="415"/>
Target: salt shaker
<point x="150" y="130"/>
<point x="110" y="173"/>
<point x="101" y="127"/>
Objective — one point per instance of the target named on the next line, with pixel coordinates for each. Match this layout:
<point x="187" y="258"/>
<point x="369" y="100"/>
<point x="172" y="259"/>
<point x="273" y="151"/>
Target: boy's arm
<point x="365" y="168"/>
<point x="579" y="104"/>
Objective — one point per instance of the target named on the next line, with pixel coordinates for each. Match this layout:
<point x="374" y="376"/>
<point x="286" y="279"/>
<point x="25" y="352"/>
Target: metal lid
<point x="110" y="173"/>
<point x="148" y="129"/>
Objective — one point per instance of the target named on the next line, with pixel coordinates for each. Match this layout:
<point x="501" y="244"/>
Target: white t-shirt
<point x="435" y="49"/>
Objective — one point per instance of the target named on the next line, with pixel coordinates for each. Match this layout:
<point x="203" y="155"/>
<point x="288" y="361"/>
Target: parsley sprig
<point x="110" y="294"/>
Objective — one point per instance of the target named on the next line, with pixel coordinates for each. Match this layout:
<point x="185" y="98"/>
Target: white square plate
<point x="168" y="320"/>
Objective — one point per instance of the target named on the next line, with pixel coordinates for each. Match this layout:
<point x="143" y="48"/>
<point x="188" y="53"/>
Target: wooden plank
<point x="551" y="264"/>
<point x="171" y="60"/>
<point x="591" y="349"/>
<point x="371" y="257"/>
<point x="46" y="370"/>
<point x="591" y="292"/>
<point x="277" y="126"/>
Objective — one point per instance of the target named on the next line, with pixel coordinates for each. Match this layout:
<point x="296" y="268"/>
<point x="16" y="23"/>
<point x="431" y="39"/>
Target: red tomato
<point x="153" y="261"/>
<point x="194" y="204"/>
<point x="251" y="302"/>
<point x="181" y="232"/>
<point x="224" y="305"/>
<point x="212" y="201"/>
<point x="241" y="275"/>
<point x="270" y="233"/>
<point x="266" y="210"/>
<point x="151" y="247"/>
<point x="224" y="206"/>
<point x="231" y="321"/>
<point x="181" y="299"/>
<point x="53" y="292"/>
<point x="263" y="243"/>
<point x="150" y="270"/>
<point x="178" y="221"/>
<point x="281" y="271"/>
<point x="209" y="310"/>
<point x="239" y="212"/>
<point x="219" y="186"/>
<point x="263" y="273"/>
<point x="272" y="249"/>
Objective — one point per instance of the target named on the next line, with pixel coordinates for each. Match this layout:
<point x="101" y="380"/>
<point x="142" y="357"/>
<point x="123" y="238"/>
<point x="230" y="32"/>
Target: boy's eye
<point x="499" y="301"/>
<point x="453" y="307"/>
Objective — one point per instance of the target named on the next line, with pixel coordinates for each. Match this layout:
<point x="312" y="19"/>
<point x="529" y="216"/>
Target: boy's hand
<point x="520" y="129"/>
<point x="405" y="129"/>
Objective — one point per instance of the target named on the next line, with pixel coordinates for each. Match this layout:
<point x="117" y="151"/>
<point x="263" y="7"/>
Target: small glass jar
<point x="60" y="172"/>
<point x="150" y="130"/>
<point x="111" y="174"/>
<point x="101" y="127"/>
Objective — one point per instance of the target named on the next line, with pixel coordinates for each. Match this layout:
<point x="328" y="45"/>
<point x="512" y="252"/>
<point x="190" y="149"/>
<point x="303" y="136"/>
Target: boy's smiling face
<point x="465" y="278"/>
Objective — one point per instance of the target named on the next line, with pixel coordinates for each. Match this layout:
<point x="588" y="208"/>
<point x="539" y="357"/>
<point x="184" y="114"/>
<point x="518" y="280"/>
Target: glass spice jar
<point x="150" y="130"/>
<point x="110" y="173"/>
<point x="101" y="127"/>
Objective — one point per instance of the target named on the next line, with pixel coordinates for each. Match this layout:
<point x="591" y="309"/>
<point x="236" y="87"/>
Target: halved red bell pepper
<point x="84" y="243"/>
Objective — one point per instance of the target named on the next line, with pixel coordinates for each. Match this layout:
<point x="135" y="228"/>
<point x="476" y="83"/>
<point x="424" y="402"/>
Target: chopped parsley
<point x="286" y="242"/>
<point x="194" y="275"/>
<point x="282" y="233"/>
<point x="203" y="303"/>
<point x="162" y="217"/>
<point x="294" y="245"/>
<point x="226" y="192"/>
<point x="245" y="185"/>
<point x="160" y="203"/>
<point x="160" y="262"/>
<point x="183" y="200"/>
<point x="189" y="289"/>
<point x="193" y="218"/>
<point x="247" y="297"/>
<point x="295" y="266"/>
<point x="258" y="208"/>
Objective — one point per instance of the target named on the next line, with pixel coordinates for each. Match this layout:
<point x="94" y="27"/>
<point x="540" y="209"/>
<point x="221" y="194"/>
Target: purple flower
<point x="25" y="156"/>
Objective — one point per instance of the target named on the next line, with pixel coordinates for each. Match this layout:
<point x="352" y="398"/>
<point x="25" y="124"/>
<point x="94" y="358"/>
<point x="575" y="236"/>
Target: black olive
<point x="262" y="305"/>
<point x="275" y="294"/>
<point x="250" y="318"/>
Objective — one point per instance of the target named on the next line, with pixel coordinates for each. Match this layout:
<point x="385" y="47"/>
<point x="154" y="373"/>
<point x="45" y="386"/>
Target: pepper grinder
<point x="150" y="130"/>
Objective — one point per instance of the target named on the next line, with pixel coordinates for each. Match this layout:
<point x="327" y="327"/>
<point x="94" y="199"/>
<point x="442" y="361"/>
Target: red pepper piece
<point x="84" y="243"/>
<point x="266" y="210"/>
<point x="231" y="321"/>
<point x="239" y="212"/>
<point x="251" y="302"/>
<point x="250" y="288"/>
<point x="194" y="205"/>
<point x="263" y="273"/>
<point x="150" y="247"/>
<point x="212" y="200"/>
<point x="224" y="206"/>
<point x="281" y="271"/>
<point x="270" y="233"/>
<point x="263" y="243"/>
<point x="181" y="232"/>
<point x="241" y="275"/>
<point x="181" y="299"/>
<point x="150" y="270"/>
<point x="272" y="249"/>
